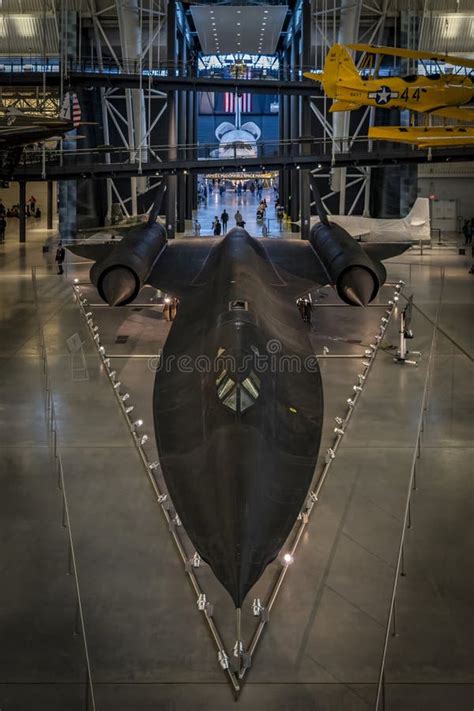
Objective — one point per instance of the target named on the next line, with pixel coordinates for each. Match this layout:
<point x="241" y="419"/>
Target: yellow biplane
<point x="441" y="94"/>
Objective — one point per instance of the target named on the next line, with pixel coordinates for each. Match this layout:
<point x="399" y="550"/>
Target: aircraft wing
<point x="454" y="112"/>
<point x="413" y="54"/>
<point x="181" y="263"/>
<point x="96" y="252"/>
<point x="298" y="258"/>
<point x="295" y="257"/>
<point x="178" y="267"/>
<point x="424" y="137"/>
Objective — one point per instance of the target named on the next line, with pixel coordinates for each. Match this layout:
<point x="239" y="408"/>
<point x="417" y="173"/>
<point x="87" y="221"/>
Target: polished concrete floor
<point x="148" y="645"/>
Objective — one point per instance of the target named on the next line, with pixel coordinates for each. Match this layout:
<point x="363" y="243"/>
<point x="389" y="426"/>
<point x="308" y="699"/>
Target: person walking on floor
<point x="60" y="256"/>
<point x="470" y="229"/>
<point x="224" y="220"/>
<point x="3" y="224"/>
<point x="466" y="230"/>
<point x="238" y="218"/>
<point x="217" y="227"/>
<point x="307" y="308"/>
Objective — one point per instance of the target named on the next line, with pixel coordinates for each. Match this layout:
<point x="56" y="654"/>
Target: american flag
<point x="76" y="111"/>
<point x="229" y="103"/>
<point x="71" y="99"/>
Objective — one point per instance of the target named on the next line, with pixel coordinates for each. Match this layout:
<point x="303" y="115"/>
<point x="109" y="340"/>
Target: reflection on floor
<point x="149" y="648"/>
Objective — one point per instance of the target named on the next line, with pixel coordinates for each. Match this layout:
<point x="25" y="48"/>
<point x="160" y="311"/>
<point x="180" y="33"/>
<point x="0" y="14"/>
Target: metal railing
<point x="187" y="70"/>
<point x="79" y="623"/>
<point x="293" y="149"/>
<point x="368" y="358"/>
<point x="172" y="521"/>
<point x="406" y="521"/>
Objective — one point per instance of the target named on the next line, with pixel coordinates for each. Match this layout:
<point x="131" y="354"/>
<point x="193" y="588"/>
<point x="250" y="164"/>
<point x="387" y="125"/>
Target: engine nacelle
<point x="120" y="276"/>
<point x="356" y="277"/>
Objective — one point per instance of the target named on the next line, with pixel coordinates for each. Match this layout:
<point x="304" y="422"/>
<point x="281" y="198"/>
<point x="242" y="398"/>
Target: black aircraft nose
<point x="118" y="286"/>
<point x="357" y="286"/>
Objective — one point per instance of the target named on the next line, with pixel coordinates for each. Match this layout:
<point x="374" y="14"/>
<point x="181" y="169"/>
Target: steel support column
<point x="348" y="32"/>
<point x="294" y="187"/>
<point x="171" y="117"/>
<point x="67" y="190"/>
<point x="182" y="134"/>
<point x="130" y="21"/>
<point x="22" y="221"/>
<point x="49" y="206"/>
<point x="305" y="118"/>
<point x="191" y="109"/>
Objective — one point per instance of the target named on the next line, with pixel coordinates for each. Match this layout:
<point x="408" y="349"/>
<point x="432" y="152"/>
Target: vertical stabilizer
<point x="419" y="213"/>
<point x="339" y="67"/>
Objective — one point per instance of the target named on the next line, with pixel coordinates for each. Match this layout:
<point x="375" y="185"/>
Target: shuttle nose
<point x="118" y="286"/>
<point x="357" y="286"/>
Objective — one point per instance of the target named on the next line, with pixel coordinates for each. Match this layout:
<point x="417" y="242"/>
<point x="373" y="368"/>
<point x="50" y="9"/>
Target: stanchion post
<point x="77" y="620"/>
<point x="394" y="620"/>
<point x="69" y="562"/>
<point x="64" y="517"/>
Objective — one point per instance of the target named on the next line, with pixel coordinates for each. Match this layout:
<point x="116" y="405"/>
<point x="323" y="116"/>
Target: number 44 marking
<point x="415" y="96"/>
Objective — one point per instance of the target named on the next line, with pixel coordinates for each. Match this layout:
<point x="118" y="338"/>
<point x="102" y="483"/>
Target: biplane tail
<point x="339" y="68"/>
<point x="339" y="71"/>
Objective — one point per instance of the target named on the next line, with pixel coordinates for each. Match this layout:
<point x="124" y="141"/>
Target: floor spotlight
<point x="196" y="560"/>
<point x="137" y="424"/>
<point x="129" y="409"/>
<point x="288" y="559"/>
<point x="153" y="465"/>
<point x="143" y="440"/>
<point x="223" y="659"/>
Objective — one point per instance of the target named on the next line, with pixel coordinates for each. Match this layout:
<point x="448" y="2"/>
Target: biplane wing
<point x="456" y="113"/>
<point x="413" y="54"/>
<point x="424" y="136"/>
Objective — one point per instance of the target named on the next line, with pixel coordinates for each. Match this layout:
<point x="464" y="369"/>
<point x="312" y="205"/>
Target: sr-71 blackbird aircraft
<point x="237" y="429"/>
<point x="441" y="94"/>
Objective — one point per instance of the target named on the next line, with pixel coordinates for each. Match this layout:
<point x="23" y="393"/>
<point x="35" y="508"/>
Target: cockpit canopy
<point x="236" y="391"/>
